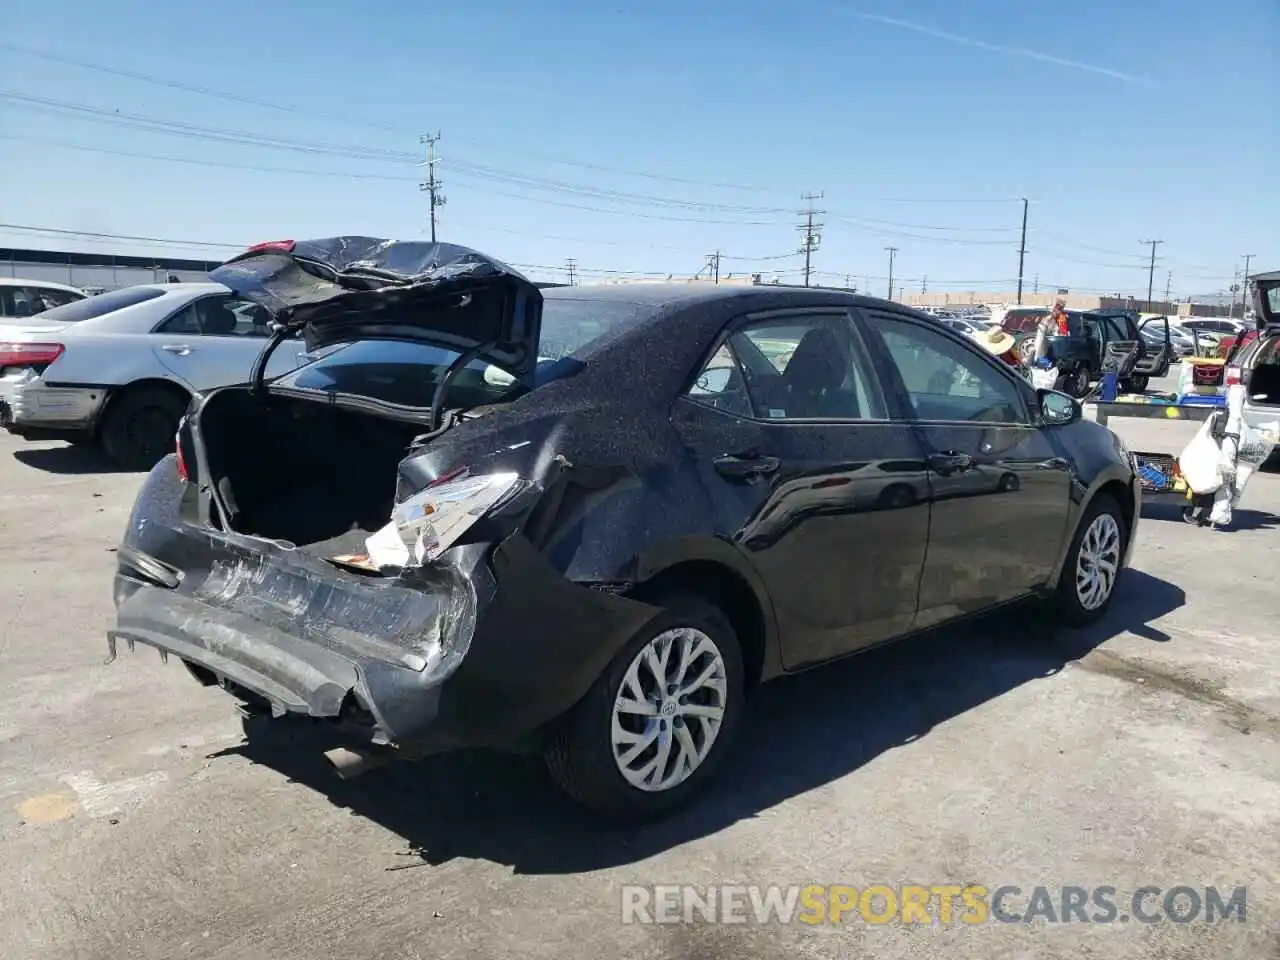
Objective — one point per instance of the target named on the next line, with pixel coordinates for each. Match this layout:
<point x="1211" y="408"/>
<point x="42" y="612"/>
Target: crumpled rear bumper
<point x="391" y="692"/>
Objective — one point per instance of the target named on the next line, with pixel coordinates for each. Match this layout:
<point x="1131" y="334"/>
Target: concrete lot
<point x="135" y="823"/>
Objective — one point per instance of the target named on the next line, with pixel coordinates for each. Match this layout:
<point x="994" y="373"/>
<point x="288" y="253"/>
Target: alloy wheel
<point x="1098" y="561"/>
<point x="669" y="709"/>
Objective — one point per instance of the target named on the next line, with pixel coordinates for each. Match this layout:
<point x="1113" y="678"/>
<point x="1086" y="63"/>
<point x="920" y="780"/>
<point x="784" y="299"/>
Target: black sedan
<point x="586" y="521"/>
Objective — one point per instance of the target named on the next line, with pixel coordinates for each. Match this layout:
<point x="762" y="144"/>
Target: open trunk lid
<point x="343" y="289"/>
<point x="1266" y="296"/>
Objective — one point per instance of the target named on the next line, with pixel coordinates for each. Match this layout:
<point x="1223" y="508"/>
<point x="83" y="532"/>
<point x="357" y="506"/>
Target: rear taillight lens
<point x="29" y="354"/>
<point x="1232" y="376"/>
<point x="270" y="246"/>
<point x="426" y="524"/>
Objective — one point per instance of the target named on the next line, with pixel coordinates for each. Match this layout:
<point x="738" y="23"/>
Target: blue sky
<point x="641" y="137"/>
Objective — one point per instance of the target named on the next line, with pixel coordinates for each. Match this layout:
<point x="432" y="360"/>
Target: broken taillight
<point x="29" y="354"/>
<point x="1232" y="376"/>
<point x="283" y="246"/>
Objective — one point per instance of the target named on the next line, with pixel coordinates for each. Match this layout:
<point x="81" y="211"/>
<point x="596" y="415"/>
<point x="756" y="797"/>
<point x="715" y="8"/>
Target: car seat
<point x="218" y="320"/>
<point x="813" y="378"/>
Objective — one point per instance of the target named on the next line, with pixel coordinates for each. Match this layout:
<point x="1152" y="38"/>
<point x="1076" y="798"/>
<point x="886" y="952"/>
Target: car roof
<point x="46" y="284"/>
<point x="660" y="294"/>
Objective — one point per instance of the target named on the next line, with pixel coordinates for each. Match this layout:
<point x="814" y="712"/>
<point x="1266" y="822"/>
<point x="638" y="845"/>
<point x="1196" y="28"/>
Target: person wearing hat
<point x="998" y="343"/>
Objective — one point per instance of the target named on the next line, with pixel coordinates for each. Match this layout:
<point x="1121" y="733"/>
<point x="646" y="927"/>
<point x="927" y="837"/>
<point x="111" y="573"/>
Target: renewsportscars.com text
<point x="816" y="904"/>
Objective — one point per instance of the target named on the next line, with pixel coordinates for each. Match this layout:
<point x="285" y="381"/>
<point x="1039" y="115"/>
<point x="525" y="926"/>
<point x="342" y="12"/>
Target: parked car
<point x="585" y="521"/>
<point x="20" y="299"/>
<point x="119" y="368"/>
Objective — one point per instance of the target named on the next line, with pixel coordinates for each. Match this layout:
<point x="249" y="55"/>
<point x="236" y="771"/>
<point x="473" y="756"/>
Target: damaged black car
<point x="587" y="521"/>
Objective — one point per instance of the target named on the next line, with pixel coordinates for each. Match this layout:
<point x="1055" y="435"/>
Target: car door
<point x="807" y="473"/>
<point x="1154" y="333"/>
<point x="1000" y="487"/>
<point x="213" y="342"/>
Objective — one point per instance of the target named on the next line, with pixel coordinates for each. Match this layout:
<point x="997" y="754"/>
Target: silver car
<point x="120" y="368"/>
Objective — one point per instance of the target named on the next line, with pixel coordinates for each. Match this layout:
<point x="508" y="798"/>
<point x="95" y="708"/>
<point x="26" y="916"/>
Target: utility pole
<point x="812" y="238"/>
<point x="1022" y="248"/>
<point x="571" y="265"/>
<point x="1244" y="285"/>
<point x="892" y="252"/>
<point x="924" y="285"/>
<point x="713" y="265"/>
<point x="1037" y="286"/>
<point x="432" y="185"/>
<point x="1151" y="272"/>
<point x="1168" y="288"/>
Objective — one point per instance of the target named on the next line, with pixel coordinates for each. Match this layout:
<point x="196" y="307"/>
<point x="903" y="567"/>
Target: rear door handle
<point x="746" y="466"/>
<point x="180" y="349"/>
<point x="950" y="461"/>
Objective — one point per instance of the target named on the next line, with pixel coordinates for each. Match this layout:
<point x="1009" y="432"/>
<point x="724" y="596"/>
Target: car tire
<point x="1136" y="384"/>
<point x="597" y="741"/>
<point x="139" y="427"/>
<point x="1101" y="535"/>
<point x="1076" y="382"/>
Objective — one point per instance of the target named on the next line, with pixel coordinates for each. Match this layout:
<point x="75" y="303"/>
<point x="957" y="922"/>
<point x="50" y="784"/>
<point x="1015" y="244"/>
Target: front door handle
<point x="746" y="466"/>
<point x="949" y="461"/>
<point x="179" y="349"/>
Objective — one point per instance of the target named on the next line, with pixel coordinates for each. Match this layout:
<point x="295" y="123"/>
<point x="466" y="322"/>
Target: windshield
<point x="407" y="374"/>
<point x="99" y="306"/>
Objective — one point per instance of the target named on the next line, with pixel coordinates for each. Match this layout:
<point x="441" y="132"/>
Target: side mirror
<point x="1057" y="408"/>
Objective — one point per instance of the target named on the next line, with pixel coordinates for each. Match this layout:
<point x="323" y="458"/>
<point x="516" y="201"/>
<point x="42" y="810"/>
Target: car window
<point x="403" y="373"/>
<point x="946" y="380"/>
<point x="1267" y="352"/>
<point x="811" y="367"/>
<point x="218" y="316"/>
<point x="720" y="384"/>
<point x="91" y="308"/>
<point x="41" y="299"/>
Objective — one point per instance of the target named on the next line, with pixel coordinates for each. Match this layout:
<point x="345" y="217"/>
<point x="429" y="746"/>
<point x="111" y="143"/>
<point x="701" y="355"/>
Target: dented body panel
<point x="398" y="660"/>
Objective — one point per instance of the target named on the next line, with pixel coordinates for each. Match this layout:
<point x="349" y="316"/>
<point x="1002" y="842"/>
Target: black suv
<point x="1079" y="355"/>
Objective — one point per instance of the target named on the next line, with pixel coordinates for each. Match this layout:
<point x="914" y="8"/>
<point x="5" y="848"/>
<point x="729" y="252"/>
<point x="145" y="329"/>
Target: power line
<point x="87" y="234"/>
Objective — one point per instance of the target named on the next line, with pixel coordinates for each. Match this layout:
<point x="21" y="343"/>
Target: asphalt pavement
<point x="136" y="822"/>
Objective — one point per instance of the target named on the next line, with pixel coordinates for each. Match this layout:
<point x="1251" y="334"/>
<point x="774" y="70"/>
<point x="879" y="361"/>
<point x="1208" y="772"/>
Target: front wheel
<point x="1087" y="583"/>
<point x="657" y="724"/>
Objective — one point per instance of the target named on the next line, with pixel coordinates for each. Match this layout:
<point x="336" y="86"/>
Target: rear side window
<point x="803" y="367"/>
<point x="92" y="307"/>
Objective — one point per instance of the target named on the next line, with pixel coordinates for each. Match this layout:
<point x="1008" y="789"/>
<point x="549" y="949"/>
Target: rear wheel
<point x="139" y="427"/>
<point x="1136" y="384"/>
<point x="1076" y="382"/>
<point x="1087" y="583"/>
<point x="657" y="724"/>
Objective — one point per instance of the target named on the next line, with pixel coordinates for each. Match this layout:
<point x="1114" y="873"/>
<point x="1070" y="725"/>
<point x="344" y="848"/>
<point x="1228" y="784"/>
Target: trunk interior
<point x="300" y="471"/>
<point x="1264" y="383"/>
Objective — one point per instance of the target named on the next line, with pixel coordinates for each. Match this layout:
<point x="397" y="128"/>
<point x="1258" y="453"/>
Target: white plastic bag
<point x="1044" y="379"/>
<point x="1201" y="461"/>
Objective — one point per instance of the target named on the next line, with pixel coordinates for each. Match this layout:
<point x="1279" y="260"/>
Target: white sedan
<point x="120" y="368"/>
